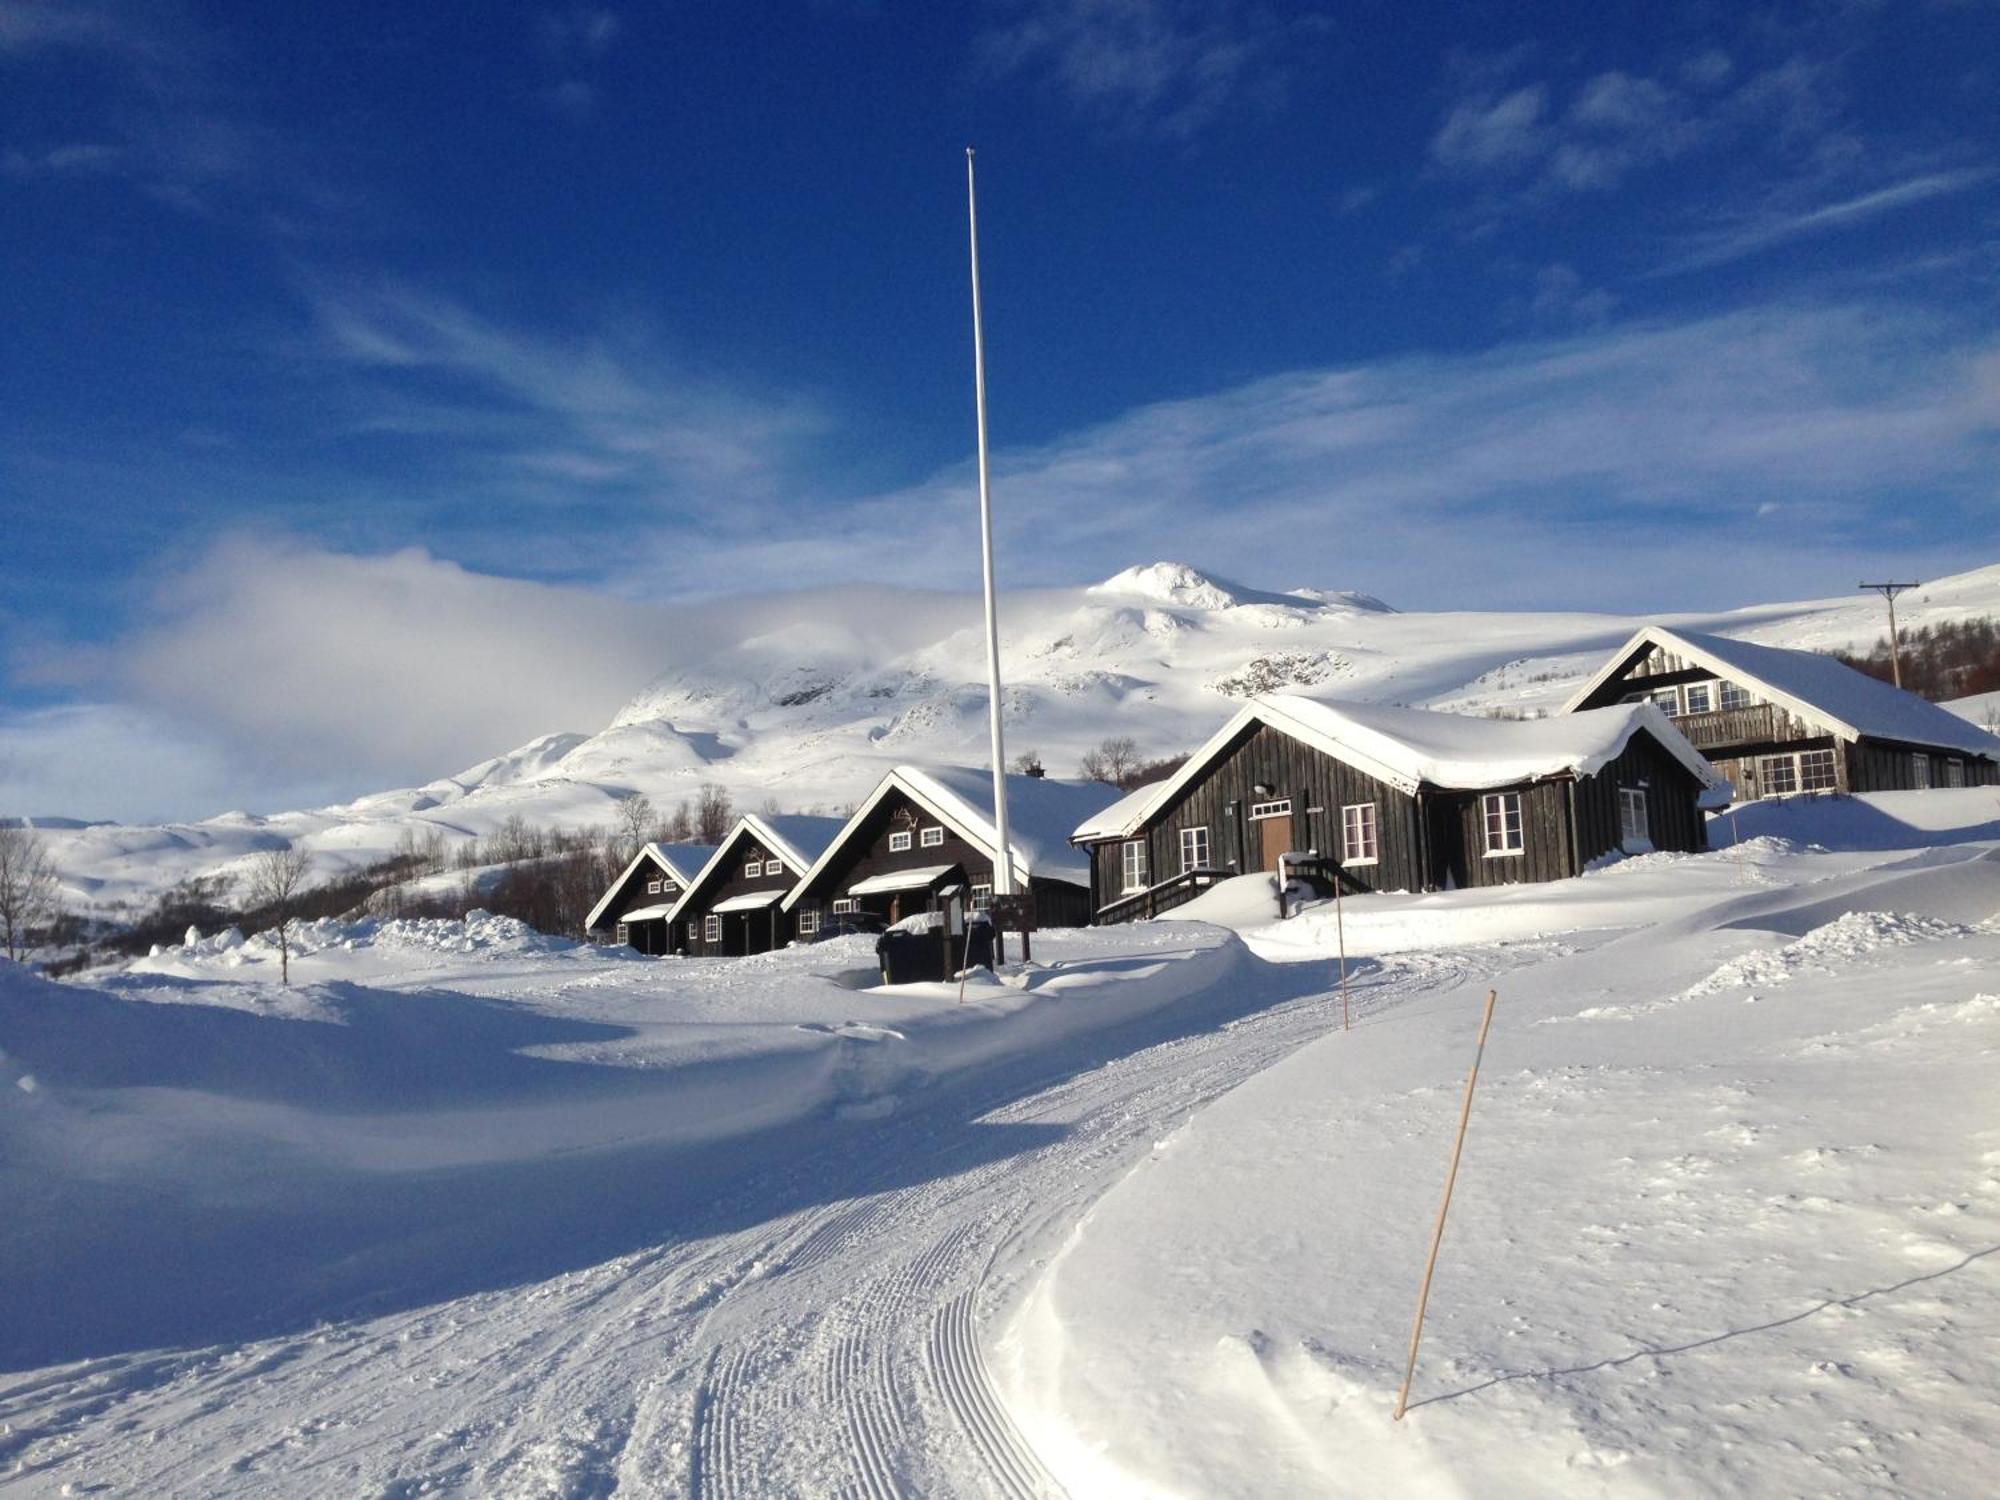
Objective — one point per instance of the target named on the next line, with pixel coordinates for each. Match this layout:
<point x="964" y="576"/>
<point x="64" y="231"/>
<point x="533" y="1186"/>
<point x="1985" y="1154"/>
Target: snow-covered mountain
<point x="812" y="702"/>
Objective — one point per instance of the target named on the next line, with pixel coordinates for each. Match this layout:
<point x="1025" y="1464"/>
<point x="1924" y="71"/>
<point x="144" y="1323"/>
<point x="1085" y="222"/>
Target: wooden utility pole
<point x="1889" y="591"/>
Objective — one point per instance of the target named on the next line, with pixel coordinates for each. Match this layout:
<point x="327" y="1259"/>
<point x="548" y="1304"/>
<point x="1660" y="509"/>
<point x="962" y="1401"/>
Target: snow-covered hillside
<point x="846" y="683"/>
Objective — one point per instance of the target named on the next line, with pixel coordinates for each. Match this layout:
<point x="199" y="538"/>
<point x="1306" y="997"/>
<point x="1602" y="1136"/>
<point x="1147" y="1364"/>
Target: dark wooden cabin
<point x="1778" y="722"/>
<point x="926" y="829"/>
<point x="1398" y="799"/>
<point x="634" y="907"/>
<point x="733" y="906"/>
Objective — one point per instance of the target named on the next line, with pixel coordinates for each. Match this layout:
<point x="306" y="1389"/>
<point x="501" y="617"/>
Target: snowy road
<point x="816" y="1333"/>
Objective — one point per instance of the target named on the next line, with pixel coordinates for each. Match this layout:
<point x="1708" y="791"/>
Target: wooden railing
<point x="1176" y="890"/>
<point x="1759" y="724"/>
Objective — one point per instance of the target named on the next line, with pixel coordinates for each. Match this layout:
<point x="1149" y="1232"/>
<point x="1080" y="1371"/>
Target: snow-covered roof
<point x="678" y="860"/>
<point x="900" y="880"/>
<point x="796" y="838"/>
<point x="647" y="913"/>
<point x="1848" y="703"/>
<point x="748" y="901"/>
<point x="1041" y="812"/>
<point x="1127" y="813"/>
<point x="1408" y="748"/>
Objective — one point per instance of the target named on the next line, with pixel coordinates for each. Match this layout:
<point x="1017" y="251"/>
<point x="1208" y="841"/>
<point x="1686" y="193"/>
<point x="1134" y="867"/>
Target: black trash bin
<point x="911" y="957"/>
<point x="978" y="942"/>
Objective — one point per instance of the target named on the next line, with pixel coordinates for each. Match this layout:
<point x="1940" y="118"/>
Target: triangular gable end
<point x="747" y="824"/>
<point x="925" y="798"/>
<point x="650" y="851"/>
<point x="1218" y="744"/>
<point x="1650" y="638"/>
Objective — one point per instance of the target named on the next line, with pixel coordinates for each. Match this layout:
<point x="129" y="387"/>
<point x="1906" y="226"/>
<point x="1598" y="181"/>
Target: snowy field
<point x="472" y="1211"/>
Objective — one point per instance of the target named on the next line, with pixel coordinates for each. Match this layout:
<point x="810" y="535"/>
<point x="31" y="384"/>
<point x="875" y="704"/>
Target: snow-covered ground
<point x="474" y="1211"/>
<point x="838" y="689"/>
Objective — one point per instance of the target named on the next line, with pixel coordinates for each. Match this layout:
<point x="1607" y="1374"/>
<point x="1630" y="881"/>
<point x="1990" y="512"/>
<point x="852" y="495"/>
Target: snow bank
<point x="198" y="1150"/>
<point x="1719" y="1247"/>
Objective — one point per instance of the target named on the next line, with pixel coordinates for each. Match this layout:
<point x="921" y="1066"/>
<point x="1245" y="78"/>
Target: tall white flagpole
<point x="1003" y="865"/>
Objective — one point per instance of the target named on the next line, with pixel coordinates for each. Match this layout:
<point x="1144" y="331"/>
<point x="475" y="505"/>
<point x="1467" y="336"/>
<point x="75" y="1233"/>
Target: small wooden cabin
<point x="733" y="906"/>
<point x="926" y="829"/>
<point x="1777" y="722"/>
<point x="634" y="908"/>
<point x="1382" y="798"/>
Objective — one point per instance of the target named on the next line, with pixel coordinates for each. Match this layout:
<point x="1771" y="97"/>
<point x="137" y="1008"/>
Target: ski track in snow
<point x="830" y="1350"/>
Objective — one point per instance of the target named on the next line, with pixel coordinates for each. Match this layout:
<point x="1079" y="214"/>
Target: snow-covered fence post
<point x="1444" y="1205"/>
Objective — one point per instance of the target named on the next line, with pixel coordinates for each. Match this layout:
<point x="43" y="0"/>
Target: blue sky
<point x="574" y="309"/>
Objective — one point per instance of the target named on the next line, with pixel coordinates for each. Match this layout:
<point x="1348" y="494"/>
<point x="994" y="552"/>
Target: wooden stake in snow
<point x="1340" y="927"/>
<point x="1444" y="1205"/>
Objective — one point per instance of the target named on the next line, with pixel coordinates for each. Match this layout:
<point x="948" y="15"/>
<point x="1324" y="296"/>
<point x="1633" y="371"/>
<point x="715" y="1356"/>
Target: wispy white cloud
<point x="1770" y="229"/>
<point x="1533" y="141"/>
<point x="600" y="410"/>
<point x="574" y="40"/>
<point x="155" y="108"/>
<point x="1539" y="472"/>
<point x="1169" y="67"/>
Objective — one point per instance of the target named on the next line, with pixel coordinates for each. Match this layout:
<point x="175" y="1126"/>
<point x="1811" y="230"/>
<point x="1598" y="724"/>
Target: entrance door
<point x="1277" y="840"/>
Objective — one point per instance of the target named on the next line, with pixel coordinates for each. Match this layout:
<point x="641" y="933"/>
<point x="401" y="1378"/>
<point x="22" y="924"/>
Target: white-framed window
<point x="1282" y="808"/>
<point x="1357" y="834"/>
<point x="1954" y="773"/>
<point x="1729" y="695"/>
<point x="1777" y="775"/>
<point x="1668" y="698"/>
<point x="982" y="896"/>
<point x="752" y="868"/>
<point x="1920" y="771"/>
<point x="1634" y="830"/>
<point x="1700" y="697"/>
<point x="1805" y="771"/>
<point x="932" y="836"/>
<point x="711" y="928"/>
<point x="1134" y="860"/>
<point x="808" y="921"/>
<point x="624" y="934"/>
<point x="774" y="867"/>
<point x="1501" y="814"/>
<point x="1194" y="849"/>
<point x="653" y="887"/>
<point x="899" y="841"/>
<point x="845" y="906"/>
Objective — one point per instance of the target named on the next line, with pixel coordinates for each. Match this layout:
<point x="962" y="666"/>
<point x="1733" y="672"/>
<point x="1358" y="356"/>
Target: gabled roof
<point x="1041" y="812"/>
<point x="796" y="838"/>
<point x="1849" y="704"/>
<point x="1409" y="748"/>
<point x="673" y="859"/>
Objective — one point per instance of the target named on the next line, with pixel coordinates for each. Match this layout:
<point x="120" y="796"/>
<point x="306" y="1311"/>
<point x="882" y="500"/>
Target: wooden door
<point x="1277" y="840"/>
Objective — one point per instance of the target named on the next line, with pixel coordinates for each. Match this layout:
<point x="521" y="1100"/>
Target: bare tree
<point x="27" y="886"/>
<point x="1112" y="761"/>
<point x="635" y="821"/>
<point x="276" y="879"/>
<point x="712" y="810"/>
<point x="680" y="827"/>
<point x="1027" y="763"/>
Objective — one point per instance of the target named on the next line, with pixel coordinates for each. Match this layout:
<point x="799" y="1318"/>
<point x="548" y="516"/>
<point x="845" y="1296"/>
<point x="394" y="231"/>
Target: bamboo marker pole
<point x="1340" y="926"/>
<point x="1444" y="1205"/>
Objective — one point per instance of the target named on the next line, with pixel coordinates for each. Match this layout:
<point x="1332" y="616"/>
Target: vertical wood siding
<point x="755" y="931"/>
<point x="1432" y="840"/>
<point x="866" y="853"/>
